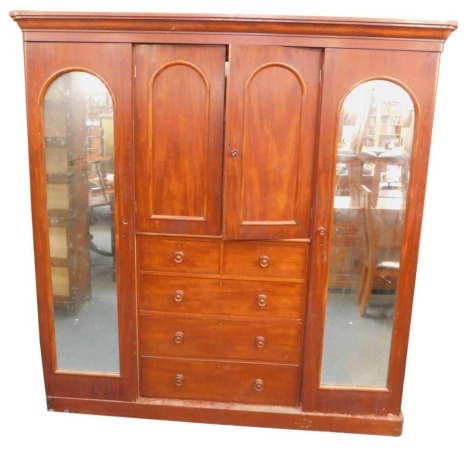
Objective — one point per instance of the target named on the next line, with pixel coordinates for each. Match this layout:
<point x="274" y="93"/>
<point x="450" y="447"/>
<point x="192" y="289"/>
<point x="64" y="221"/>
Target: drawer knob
<point x="262" y="300"/>
<point x="179" y="336"/>
<point x="258" y="386"/>
<point x="260" y="341"/>
<point x="179" y="256"/>
<point x="264" y="261"/>
<point x="179" y="380"/>
<point x="179" y="294"/>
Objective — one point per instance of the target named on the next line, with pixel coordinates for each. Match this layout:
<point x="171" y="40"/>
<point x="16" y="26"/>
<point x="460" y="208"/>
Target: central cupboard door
<point x="270" y="109"/>
<point x="272" y="103"/>
<point x="179" y="95"/>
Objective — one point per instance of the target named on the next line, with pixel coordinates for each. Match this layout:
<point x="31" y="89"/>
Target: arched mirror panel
<point x="79" y="145"/>
<point x="375" y="141"/>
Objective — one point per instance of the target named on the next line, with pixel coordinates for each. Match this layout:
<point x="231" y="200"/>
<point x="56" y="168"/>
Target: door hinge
<point x="135" y="71"/>
<point x="311" y="213"/>
<point x="320" y="77"/>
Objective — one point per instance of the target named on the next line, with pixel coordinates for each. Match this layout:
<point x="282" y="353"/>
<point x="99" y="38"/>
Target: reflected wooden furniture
<point x="355" y="177"/>
<point x="224" y="244"/>
<point x="347" y="244"/>
<point x="372" y="264"/>
<point x="352" y="176"/>
<point x="67" y="199"/>
<point x="99" y="195"/>
<point x="101" y="190"/>
<point x="381" y="162"/>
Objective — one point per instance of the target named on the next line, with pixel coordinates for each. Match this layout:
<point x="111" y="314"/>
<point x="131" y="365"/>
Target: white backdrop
<point x="436" y="394"/>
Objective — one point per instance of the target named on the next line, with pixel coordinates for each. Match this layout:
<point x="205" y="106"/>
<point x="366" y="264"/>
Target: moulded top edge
<point x="332" y="26"/>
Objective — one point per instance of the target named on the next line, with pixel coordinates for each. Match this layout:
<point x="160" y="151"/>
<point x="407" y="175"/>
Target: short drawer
<point x="262" y="340"/>
<point x="261" y="259"/>
<point x="191" y="295"/>
<point x="178" y="255"/>
<point x="223" y="381"/>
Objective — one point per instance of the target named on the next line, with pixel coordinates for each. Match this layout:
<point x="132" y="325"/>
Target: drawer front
<point x="189" y="295"/>
<point x="223" y="381"/>
<point x="178" y="255"/>
<point x="220" y="338"/>
<point x="260" y="259"/>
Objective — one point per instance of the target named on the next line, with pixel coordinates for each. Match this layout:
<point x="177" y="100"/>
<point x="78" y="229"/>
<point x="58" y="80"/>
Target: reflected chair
<point x="372" y="267"/>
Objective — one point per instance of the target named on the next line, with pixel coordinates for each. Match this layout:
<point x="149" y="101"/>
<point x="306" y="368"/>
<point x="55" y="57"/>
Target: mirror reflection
<point x="372" y="171"/>
<point x="79" y="146"/>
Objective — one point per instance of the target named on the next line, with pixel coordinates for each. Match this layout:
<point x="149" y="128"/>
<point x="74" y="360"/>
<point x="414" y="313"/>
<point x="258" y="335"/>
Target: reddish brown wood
<point x="266" y="259"/>
<point x="269" y="149"/>
<point x="344" y="70"/>
<point x="192" y="38"/>
<point x="178" y="255"/>
<point x="235" y="414"/>
<point x="207" y="337"/>
<point x="289" y="25"/>
<point x="190" y="285"/>
<point x="234" y="381"/>
<point x="221" y="296"/>
<point x="112" y="64"/>
<point x="179" y="126"/>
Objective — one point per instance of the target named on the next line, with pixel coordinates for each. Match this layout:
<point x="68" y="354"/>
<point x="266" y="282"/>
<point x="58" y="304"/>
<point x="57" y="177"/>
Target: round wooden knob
<point x="260" y="341"/>
<point x="264" y="261"/>
<point x="179" y="336"/>
<point x="179" y="256"/>
<point x="262" y="300"/>
<point x="258" y="385"/>
<point x="179" y="295"/>
<point x="179" y="380"/>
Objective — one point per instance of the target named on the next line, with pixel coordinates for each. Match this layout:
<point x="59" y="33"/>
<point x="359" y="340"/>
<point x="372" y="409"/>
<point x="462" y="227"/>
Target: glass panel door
<point x="375" y="141"/>
<point x="79" y="146"/>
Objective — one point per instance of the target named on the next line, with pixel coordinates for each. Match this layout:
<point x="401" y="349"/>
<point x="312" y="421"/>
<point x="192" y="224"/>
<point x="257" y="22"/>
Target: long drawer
<point x="190" y="379"/>
<point x="191" y="295"/>
<point x="260" y="340"/>
<point x="266" y="259"/>
<point x="178" y="255"/>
